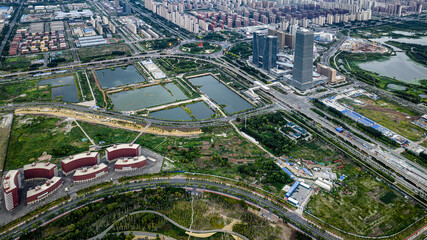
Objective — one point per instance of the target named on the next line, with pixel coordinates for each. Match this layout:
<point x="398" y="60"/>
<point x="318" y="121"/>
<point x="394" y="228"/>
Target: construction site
<point x="358" y="45"/>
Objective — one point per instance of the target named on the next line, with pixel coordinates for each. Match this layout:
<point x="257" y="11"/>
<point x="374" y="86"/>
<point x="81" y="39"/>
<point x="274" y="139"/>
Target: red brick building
<point x="41" y="192"/>
<point x="11" y="186"/>
<point x="40" y="170"/>
<point x="130" y="164"/>
<point x="80" y="160"/>
<point x="123" y="150"/>
<point x="89" y="174"/>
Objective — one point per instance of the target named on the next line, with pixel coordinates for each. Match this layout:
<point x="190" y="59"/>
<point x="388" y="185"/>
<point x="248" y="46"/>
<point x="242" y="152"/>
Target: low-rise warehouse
<point x="130" y="164"/>
<point x="89" y="174"/>
<point x="91" y="41"/>
<point x="43" y="191"/>
<point x="80" y="160"/>
<point x="40" y="170"/>
<point x="11" y="186"/>
<point x="122" y="150"/>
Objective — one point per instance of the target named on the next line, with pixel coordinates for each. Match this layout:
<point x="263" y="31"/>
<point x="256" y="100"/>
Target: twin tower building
<point x="266" y="48"/>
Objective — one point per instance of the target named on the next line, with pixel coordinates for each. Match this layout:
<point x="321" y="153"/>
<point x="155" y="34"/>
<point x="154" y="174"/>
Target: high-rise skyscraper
<point x="116" y="4"/>
<point x="302" y="76"/>
<point x="264" y="52"/>
<point x="127" y="9"/>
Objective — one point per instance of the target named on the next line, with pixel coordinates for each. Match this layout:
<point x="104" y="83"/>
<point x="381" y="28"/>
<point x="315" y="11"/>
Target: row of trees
<point x="265" y="129"/>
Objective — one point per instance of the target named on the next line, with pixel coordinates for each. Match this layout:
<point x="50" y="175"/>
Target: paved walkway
<point x="90" y="139"/>
<point x="101" y="235"/>
<point x="142" y="131"/>
<point x="174" y="104"/>
<point x="146" y="234"/>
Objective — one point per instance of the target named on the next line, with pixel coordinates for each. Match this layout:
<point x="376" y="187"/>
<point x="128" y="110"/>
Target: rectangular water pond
<point x="68" y="93"/>
<point x="172" y="114"/>
<point x="199" y="110"/>
<point x="147" y="97"/>
<point x="119" y="76"/>
<point x="67" y="80"/>
<point x="221" y="94"/>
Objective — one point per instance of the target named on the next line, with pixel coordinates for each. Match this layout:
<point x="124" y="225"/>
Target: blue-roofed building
<point x="293" y="188"/>
<point x="288" y="172"/>
<point x="307" y="171"/>
<point x="339" y="129"/>
<point x="300" y="130"/>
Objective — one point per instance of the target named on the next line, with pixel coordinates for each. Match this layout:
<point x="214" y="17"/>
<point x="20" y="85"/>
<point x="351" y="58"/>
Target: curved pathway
<point x="101" y="235"/>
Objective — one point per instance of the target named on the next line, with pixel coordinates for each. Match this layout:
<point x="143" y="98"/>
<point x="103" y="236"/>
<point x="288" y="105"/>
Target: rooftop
<point x="8" y="182"/>
<point x="79" y="156"/>
<point x="85" y="171"/>
<point x="125" y="161"/>
<point x="122" y="146"/>
<point x="38" y="189"/>
<point x="37" y="165"/>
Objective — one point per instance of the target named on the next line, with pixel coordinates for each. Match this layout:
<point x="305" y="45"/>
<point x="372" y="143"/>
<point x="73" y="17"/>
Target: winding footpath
<point x="101" y="235"/>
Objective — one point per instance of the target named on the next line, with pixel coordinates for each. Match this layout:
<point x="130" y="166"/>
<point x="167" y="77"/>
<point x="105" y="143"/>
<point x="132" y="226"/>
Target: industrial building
<point x="40" y="170"/>
<point x="11" y="186"/>
<point x="302" y="75"/>
<point x="41" y="192"/>
<point x="91" y="41"/>
<point x="293" y="188"/>
<point x="130" y="164"/>
<point x="264" y="51"/>
<point x="78" y="161"/>
<point x="89" y="174"/>
<point x="122" y="150"/>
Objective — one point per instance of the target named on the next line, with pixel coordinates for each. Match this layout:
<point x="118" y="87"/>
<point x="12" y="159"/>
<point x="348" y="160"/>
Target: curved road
<point x="139" y="119"/>
<point x="248" y="195"/>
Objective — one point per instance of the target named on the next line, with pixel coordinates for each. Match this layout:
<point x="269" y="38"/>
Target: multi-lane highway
<point x="249" y="196"/>
<point x="11" y="27"/>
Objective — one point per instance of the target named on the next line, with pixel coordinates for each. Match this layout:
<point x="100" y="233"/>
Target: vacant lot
<point x="103" y="52"/>
<point x="314" y="150"/>
<point x="365" y="206"/>
<point x="24" y="92"/>
<point x="5" y="125"/>
<point x="21" y="62"/>
<point x="32" y="135"/>
<point x="391" y="116"/>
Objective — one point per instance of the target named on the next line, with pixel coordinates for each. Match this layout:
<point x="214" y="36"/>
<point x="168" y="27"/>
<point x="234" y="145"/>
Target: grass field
<point x="19" y="62"/>
<point x="107" y="134"/>
<point x="391" y="116"/>
<point x="224" y="142"/>
<point x="364" y="206"/>
<point x="33" y="135"/>
<point x="24" y="92"/>
<point x="315" y="150"/>
<point x="5" y="126"/>
<point x="103" y="52"/>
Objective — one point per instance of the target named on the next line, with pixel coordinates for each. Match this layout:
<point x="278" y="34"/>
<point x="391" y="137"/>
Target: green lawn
<point x="33" y="135"/>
